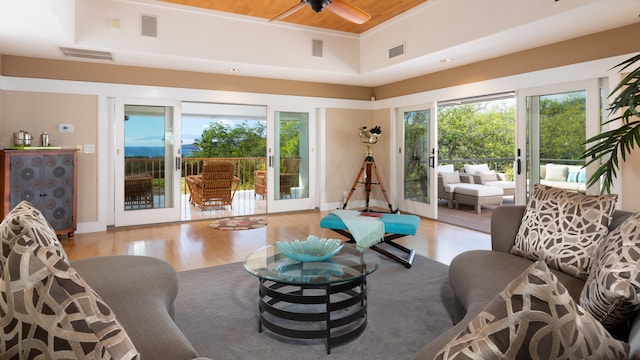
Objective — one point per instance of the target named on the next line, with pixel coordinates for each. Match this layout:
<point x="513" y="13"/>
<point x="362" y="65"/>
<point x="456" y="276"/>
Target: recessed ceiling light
<point x="446" y="60"/>
<point x="234" y="69"/>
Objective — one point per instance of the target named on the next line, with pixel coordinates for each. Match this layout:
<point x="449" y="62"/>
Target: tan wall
<point x="631" y="171"/>
<point x="344" y="151"/>
<point x="346" y="155"/>
<point x="37" y="112"/>
<point x="382" y="155"/>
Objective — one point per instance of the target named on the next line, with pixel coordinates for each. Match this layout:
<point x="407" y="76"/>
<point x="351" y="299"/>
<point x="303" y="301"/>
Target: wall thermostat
<point x="65" y="128"/>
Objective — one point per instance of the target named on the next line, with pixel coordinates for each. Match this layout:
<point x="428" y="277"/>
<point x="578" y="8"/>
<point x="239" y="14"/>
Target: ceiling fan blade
<point x="295" y="8"/>
<point x="348" y="12"/>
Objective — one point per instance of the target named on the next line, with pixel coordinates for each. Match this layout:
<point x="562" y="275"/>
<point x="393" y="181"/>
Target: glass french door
<point x="417" y="159"/>
<point x="290" y="160"/>
<point x="147" y="162"/>
<point x="551" y="139"/>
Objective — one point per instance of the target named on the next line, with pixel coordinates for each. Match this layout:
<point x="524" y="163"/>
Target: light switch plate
<point x="89" y="149"/>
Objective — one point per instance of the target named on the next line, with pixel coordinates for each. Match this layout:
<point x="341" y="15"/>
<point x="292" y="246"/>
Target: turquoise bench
<point x="395" y="226"/>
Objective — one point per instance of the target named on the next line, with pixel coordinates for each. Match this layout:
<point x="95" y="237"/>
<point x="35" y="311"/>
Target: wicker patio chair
<point x="214" y="186"/>
<point x="138" y="191"/>
<point x="288" y="178"/>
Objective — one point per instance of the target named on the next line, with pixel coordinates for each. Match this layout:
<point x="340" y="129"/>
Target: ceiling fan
<point x="339" y="7"/>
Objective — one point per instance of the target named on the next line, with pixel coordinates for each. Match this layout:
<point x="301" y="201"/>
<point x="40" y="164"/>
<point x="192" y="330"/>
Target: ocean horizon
<point x="155" y="151"/>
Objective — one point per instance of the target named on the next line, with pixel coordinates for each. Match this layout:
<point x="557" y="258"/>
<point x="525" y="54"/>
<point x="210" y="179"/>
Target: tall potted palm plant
<point x="611" y="146"/>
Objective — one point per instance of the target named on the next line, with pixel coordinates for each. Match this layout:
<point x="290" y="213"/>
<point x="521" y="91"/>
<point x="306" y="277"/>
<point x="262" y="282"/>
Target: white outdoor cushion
<point x="445" y="168"/>
<point x="478" y="190"/>
<point x="476" y="169"/>
<point x="556" y="172"/>
<point x="502" y="184"/>
<point x="450" y="178"/>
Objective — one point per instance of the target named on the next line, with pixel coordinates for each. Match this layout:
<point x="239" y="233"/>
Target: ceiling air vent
<point x="396" y="51"/>
<point x="86" y="54"/>
<point x="149" y="26"/>
<point x="316" y="48"/>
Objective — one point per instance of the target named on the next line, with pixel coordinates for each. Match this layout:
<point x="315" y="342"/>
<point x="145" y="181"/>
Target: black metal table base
<point x="334" y="312"/>
<point x="388" y="239"/>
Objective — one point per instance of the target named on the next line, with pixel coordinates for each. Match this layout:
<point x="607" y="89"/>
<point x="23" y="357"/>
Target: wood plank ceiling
<point x="379" y="10"/>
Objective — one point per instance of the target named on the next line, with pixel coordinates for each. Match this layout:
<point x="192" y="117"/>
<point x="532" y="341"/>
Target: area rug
<point x="244" y="223"/>
<point x="217" y="309"/>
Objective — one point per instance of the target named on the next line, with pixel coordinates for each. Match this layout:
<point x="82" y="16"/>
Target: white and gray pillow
<point x="564" y="228"/>
<point x="612" y="290"/>
<point x="46" y="307"/>
<point x="534" y="317"/>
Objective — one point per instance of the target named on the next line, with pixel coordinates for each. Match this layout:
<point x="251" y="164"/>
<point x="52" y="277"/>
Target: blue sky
<point x="149" y="130"/>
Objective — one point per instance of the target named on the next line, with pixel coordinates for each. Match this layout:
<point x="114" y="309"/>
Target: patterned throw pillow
<point x="564" y="228"/>
<point x="534" y="317"/>
<point x="612" y="290"/>
<point x="46" y="306"/>
<point x="25" y="219"/>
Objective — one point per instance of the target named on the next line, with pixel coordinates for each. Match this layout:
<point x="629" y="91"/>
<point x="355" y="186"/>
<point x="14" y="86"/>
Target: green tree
<point x="289" y="138"/>
<point x="477" y="131"/>
<point x="562" y="126"/>
<point x="221" y="140"/>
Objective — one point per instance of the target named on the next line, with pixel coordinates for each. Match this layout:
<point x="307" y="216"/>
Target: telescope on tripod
<point x="368" y="168"/>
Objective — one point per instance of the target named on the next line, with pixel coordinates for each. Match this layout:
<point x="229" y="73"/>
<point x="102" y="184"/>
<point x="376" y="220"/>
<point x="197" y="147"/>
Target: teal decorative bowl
<point x="312" y="249"/>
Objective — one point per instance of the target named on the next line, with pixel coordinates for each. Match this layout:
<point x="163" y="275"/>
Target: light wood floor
<point x="192" y="245"/>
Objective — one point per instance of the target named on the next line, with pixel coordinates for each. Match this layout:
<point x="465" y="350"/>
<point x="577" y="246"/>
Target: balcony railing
<point x="244" y="169"/>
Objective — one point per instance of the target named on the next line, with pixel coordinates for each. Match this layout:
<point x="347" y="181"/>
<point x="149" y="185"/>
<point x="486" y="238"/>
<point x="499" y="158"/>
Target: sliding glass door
<point x="417" y="157"/>
<point x="551" y="139"/>
<point x="147" y="162"/>
<point x="290" y="160"/>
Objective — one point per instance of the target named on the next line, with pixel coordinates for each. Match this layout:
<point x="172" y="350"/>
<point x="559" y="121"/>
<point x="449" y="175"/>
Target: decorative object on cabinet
<point x="45" y="178"/>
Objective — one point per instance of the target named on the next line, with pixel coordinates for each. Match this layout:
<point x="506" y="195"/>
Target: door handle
<point x="178" y="163"/>
<point x="432" y="161"/>
<point x="519" y="166"/>
<point x="270" y="161"/>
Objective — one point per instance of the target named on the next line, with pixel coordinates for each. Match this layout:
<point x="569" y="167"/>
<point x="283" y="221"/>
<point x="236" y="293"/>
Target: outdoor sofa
<point x="109" y="307"/>
<point x="459" y="188"/>
<point x="485" y="281"/>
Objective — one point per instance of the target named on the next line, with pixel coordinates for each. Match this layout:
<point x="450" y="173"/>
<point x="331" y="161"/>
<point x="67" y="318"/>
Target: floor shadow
<point x="465" y="216"/>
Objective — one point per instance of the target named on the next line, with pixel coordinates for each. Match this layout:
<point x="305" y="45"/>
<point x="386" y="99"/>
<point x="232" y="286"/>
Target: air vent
<point x="396" y="51"/>
<point x="86" y="54"/>
<point x="316" y="48"/>
<point x="149" y="26"/>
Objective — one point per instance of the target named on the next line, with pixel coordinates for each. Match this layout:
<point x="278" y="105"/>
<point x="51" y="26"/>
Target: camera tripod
<point x="367" y="166"/>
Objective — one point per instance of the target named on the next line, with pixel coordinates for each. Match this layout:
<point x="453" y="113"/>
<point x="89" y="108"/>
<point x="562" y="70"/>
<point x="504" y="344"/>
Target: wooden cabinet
<point x="45" y="178"/>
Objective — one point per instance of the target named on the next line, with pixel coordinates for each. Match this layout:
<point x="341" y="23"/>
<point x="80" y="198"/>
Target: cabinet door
<point x="26" y="180"/>
<point x="58" y="190"/>
<point x="47" y="183"/>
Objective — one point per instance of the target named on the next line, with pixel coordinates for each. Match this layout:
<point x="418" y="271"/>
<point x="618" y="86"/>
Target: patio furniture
<point x="478" y="195"/>
<point x="447" y="182"/>
<point x="482" y="175"/>
<point x="138" y="191"/>
<point x="459" y="189"/>
<point x="214" y="186"/>
<point x="289" y="171"/>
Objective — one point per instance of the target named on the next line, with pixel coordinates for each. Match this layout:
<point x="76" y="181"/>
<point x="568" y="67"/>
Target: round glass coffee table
<point x="313" y="300"/>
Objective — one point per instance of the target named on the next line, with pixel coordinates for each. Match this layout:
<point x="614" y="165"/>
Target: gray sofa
<point x="80" y="308"/>
<point x="141" y="291"/>
<point x="478" y="276"/>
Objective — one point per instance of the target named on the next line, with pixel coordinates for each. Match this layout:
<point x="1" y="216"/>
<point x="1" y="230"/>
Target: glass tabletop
<point x="350" y="263"/>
